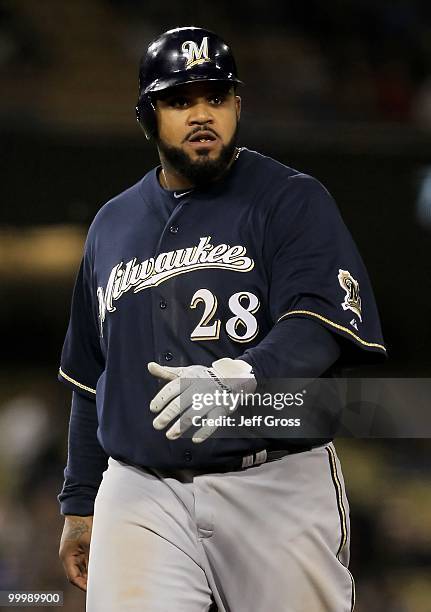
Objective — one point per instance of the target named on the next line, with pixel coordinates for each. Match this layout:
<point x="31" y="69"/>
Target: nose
<point x="200" y="114"/>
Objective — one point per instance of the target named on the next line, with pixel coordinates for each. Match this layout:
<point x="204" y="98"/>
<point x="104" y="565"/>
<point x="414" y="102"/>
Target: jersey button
<point x="163" y="304"/>
<point x="174" y="229"/>
<point x="188" y="455"/>
<point x="168" y="356"/>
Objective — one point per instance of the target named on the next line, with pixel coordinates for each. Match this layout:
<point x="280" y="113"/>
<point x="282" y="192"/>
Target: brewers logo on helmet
<point x="181" y="55"/>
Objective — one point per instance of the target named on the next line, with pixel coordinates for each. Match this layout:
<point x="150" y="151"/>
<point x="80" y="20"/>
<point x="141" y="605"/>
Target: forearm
<point x="86" y="460"/>
<point x="294" y="348"/>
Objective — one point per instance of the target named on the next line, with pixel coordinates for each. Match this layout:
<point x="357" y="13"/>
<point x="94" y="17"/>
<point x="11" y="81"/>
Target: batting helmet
<point x="182" y="55"/>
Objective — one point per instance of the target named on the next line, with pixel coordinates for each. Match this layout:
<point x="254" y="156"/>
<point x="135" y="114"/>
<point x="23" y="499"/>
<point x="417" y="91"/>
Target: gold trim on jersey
<point x="336" y="325"/>
<point x="339" y="495"/>
<point x="75" y="382"/>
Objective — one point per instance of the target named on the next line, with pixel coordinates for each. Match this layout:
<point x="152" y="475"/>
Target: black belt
<point x="278" y="454"/>
<point x="264" y="456"/>
<point x="253" y="460"/>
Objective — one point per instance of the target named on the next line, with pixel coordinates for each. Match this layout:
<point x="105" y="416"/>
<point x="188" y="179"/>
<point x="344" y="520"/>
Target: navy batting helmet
<point x="182" y="55"/>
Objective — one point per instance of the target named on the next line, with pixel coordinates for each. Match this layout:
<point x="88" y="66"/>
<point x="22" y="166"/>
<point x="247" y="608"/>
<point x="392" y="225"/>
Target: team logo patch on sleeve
<point x="352" y="300"/>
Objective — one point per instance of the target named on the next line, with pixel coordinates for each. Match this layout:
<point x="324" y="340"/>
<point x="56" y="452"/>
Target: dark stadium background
<point x="341" y="90"/>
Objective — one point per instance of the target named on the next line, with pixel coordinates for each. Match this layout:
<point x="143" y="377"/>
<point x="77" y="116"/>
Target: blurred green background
<point x="338" y="89"/>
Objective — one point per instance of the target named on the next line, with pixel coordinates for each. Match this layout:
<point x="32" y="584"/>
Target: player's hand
<point x="178" y="397"/>
<point x="74" y="548"/>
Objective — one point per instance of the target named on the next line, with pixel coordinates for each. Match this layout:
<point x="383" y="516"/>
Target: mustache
<point x="202" y="128"/>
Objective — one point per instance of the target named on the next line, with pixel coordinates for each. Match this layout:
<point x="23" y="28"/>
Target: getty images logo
<point x="195" y="55"/>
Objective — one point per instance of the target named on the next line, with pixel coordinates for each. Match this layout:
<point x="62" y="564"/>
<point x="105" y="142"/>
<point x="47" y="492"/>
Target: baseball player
<point x="217" y="270"/>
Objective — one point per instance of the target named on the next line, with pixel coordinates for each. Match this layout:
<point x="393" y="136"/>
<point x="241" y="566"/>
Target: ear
<point x="238" y="107"/>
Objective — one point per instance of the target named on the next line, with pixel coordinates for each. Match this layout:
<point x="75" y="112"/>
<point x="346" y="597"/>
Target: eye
<point x="217" y="99"/>
<point x="178" y="102"/>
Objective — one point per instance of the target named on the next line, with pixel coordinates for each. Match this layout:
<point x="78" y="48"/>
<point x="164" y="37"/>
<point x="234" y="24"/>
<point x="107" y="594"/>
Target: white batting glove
<point x="186" y="383"/>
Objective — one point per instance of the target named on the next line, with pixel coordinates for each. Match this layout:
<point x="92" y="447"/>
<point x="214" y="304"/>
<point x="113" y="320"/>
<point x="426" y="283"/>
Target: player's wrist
<point x="235" y="369"/>
<point x="236" y="366"/>
<point x="78" y="516"/>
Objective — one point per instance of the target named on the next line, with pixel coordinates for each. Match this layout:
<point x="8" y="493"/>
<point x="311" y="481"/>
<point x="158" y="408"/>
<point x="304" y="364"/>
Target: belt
<point x="252" y="460"/>
<point x="265" y="456"/>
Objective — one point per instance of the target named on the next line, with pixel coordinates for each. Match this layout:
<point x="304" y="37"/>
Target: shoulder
<point x="278" y="178"/>
<point x="265" y="167"/>
<point x="121" y="206"/>
<point x="306" y="194"/>
<point x="284" y="188"/>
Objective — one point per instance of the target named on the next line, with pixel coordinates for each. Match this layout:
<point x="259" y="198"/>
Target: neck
<point x="172" y="180"/>
<point x="169" y="179"/>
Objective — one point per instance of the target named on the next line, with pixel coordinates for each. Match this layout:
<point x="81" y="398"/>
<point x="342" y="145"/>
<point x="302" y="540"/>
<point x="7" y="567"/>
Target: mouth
<point x="202" y="140"/>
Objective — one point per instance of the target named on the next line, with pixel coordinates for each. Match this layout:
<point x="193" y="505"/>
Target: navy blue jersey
<point x="189" y="277"/>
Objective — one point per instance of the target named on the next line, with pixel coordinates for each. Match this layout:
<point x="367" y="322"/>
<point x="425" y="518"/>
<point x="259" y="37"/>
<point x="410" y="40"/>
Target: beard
<point x="203" y="170"/>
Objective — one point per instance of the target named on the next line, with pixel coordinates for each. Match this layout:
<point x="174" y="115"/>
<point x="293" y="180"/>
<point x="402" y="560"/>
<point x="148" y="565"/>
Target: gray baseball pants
<point x="269" y="538"/>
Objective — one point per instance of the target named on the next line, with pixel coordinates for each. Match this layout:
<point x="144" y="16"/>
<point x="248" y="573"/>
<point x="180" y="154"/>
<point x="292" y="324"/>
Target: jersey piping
<point x="75" y="382"/>
<point x="335" y="325"/>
